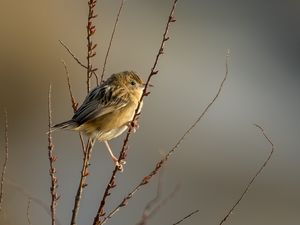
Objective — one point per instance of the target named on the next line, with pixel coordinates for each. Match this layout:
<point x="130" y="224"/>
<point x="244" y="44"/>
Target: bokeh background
<point x="215" y="161"/>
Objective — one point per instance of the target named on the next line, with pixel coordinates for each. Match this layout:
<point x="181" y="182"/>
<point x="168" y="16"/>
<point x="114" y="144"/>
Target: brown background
<point x="215" y="162"/>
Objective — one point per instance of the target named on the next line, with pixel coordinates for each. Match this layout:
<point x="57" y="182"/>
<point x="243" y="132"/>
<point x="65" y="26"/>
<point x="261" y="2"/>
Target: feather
<point x="100" y="101"/>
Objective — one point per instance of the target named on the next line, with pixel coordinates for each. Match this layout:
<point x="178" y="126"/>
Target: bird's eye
<point x="132" y="83"/>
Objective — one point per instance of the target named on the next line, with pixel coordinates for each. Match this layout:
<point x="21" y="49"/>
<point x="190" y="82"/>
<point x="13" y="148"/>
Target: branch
<point x="91" y="29"/>
<point x="73" y="101"/>
<point x="28" y="211"/>
<point x="5" y="160"/>
<point x="111" y="39"/>
<point x="254" y="177"/>
<point x="159" y="165"/>
<point x="78" y="60"/>
<point x="52" y="159"/>
<point x="186" y="217"/>
<point x="72" y="54"/>
<point x="84" y="174"/>
<point x="123" y="153"/>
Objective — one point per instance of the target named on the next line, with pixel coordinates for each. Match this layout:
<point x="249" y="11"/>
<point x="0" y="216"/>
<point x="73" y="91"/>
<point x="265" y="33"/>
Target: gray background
<point x="215" y="161"/>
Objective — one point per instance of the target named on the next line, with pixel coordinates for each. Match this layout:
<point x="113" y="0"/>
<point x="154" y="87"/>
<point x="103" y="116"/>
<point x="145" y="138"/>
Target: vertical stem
<point x="52" y="159"/>
<point x="5" y="160"/>
<point x="83" y="176"/>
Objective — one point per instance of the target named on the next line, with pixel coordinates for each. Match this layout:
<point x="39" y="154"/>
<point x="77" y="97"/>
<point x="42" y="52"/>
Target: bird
<point x="108" y="110"/>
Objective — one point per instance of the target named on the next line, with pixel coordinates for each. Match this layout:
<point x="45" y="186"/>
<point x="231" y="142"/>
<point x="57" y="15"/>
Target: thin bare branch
<point x="110" y="41"/>
<point x="159" y="165"/>
<point x="28" y="211"/>
<point x="83" y="176"/>
<point x="90" y="29"/>
<point x="5" y="159"/>
<point x="123" y="153"/>
<point x="72" y="54"/>
<point x="73" y="101"/>
<point x="52" y="159"/>
<point x="253" y="178"/>
<point x="186" y="217"/>
<point x="78" y="60"/>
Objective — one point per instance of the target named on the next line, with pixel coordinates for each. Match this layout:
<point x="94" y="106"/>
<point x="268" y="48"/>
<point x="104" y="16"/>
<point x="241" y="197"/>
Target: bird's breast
<point x="112" y="124"/>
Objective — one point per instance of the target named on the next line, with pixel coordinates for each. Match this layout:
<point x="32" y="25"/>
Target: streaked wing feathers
<point x="100" y="101"/>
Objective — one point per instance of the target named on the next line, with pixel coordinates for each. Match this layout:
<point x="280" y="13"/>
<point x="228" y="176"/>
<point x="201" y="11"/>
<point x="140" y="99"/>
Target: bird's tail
<point x="67" y="125"/>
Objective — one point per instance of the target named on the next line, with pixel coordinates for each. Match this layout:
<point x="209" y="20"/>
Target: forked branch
<point x="78" y="60"/>
<point x="253" y="178"/>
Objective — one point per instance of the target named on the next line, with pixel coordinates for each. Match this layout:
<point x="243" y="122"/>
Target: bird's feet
<point x="120" y="164"/>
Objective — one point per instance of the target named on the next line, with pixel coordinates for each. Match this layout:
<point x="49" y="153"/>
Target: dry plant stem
<point x="123" y="153"/>
<point x="5" y="160"/>
<point x="83" y="176"/>
<point x="52" y="159"/>
<point x="78" y="60"/>
<point x="186" y="217"/>
<point x="159" y="165"/>
<point x="91" y="29"/>
<point x="73" y="101"/>
<point x="111" y="39"/>
<point x="28" y="211"/>
<point x="254" y="177"/>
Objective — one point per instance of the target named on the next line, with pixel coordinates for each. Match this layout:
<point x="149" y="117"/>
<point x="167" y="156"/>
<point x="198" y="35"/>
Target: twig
<point x="78" y="60"/>
<point x="111" y="39"/>
<point x="91" y="29"/>
<point x="123" y="153"/>
<point x="72" y="54"/>
<point x="254" y="177"/>
<point x="28" y="211"/>
<point x="52" y="159"/>
<point x="82" y="183"/>
<point x="5" y="160"/>
<point x="186" y="217"/>
<point x="73" y="101"/>
<point x="159" y="165"/>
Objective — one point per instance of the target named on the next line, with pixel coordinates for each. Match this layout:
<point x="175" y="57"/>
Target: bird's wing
<point x="99" y="101"/>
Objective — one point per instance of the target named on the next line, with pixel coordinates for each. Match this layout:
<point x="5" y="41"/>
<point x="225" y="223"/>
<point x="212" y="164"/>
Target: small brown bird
<point x="108" y="109"/>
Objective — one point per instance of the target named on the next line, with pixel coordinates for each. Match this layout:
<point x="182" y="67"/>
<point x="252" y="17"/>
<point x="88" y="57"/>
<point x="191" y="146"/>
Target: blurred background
<point x="214" y="163"/>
